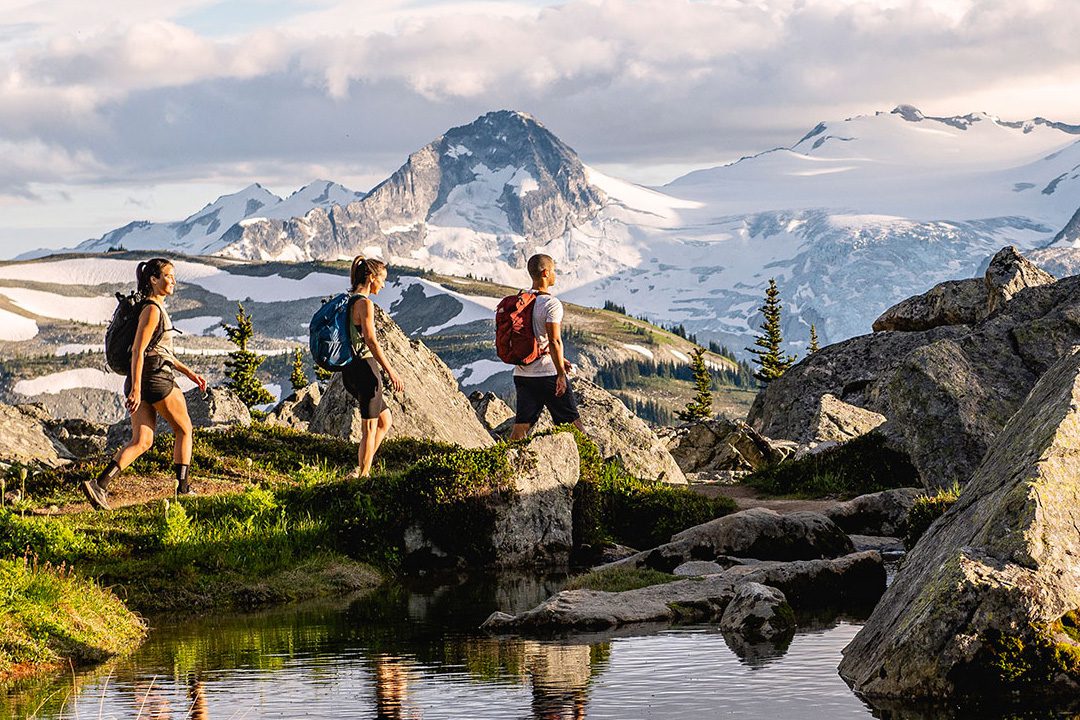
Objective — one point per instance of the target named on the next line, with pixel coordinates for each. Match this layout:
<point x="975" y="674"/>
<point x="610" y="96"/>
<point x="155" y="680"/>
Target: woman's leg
<point x="143" y="422"/>
<point x="382" y="427"/>
<point x="366" y="451"/>
<point x="174" y="409"/>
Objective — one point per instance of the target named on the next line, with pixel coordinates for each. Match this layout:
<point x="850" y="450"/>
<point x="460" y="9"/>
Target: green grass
<point x="49" y="616"/>
<point x="860" y="466"/>
<point x="619" y="579"/>
<point x="926" y="510"/>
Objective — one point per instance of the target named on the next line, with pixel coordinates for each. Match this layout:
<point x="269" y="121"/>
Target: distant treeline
<point x="628" y="373"/>
<point x="648" y="410"/>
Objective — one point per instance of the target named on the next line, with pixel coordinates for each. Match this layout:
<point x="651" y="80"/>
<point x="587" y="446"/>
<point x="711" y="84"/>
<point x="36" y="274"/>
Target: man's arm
<point x="555" y="349"/>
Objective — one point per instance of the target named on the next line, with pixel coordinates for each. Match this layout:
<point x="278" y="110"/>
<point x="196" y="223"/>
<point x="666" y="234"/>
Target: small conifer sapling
<point x="298" y="378"/>
<point x="771" y="360"/>
<point x="700" y="408"/>
<point x="242" y="363"/>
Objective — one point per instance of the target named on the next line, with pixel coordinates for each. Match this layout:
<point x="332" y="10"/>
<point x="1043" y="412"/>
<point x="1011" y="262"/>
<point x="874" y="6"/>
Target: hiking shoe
<point x="186" y="492"/>
<point x="96" y="494"/>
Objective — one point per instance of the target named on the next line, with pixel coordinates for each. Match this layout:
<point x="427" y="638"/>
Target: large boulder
<point x="491" y="411"/>
<point x="946" y="391"/>
<point x="755" y="533"/>
<point x="880" y="513"/>
<point x="528" y="526"/>
<point x="219" y="407"/>
<point x="621" y="435"/>
<point x="758" y="612"/>
<point x="431" y="405"/>
<point x="25" y="437"/>
<point x="982" y="603"/>
<point x="953" y="302"/>
<point x="720" y="444"/>
<point x="805" y="583"/>
<point x="297" y="410"/>
<point x="838" y="421"/>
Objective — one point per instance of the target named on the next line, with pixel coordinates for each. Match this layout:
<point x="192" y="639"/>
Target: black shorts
<point x="363" y="381"/>
<point x="536" y="393"/>
<point x="157" y="380"/>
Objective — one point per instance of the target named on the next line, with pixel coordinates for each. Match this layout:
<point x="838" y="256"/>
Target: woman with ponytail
<point x="150" y="389"/>
<point x="361" y="377"/>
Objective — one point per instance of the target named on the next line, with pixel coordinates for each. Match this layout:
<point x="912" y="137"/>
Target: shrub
<point x="926" y="510"/>
<point x="859" y="466"/>
<point x="612" y="505"/>
<point x="48" y="539"/>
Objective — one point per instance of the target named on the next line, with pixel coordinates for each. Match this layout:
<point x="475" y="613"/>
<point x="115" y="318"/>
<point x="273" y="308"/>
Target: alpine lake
<point x="416" y="652"/>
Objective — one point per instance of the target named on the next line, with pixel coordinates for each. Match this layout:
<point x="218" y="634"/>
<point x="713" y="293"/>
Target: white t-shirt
<point x="546" y="309"/>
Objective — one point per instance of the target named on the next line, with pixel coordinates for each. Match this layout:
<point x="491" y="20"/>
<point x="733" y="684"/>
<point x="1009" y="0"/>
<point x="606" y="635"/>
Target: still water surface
<point x="400" y="653"/>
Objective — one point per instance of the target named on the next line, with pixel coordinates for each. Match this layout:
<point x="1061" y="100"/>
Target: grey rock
<point x="806" y="584"/>
<point x="431" y="405"/>
<point x="953" y="302"/>
<point x="491" y="410"/>
<point x="723" y="445"/>
<point x="297" y="410"/>
<point x="1001" y="561"/>
<point x="25" y="437"/>
<point x="698" y="567"/>
<point x="758" y="612"/>
<point x="220" y="407"/>
<point x="1009" y="273"/>
<point x="889" y="547"/>
<point x="533" y="524"/>
<point x="881" y="513"/>
<point x="755" y="533"/>
<point x="85" y="439"/>
<point x="93" y="404"/>
<point x="838" y="421"/>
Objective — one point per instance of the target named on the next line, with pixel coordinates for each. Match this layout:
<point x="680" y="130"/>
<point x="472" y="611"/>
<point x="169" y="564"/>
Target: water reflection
<point x="410" y="653"/>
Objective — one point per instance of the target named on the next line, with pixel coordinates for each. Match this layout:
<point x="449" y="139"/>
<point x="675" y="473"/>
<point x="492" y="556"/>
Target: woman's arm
<point x="364" y="318"/>
<point x="148" y="322"/>
<point x="191" y="374"/>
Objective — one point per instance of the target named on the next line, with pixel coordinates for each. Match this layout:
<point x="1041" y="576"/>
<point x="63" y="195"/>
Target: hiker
<point x="543" y="382"/>
<point x="361" y="377"/>
<point x="150" y="389"/>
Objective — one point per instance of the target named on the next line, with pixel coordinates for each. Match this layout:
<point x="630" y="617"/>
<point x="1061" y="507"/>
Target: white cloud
<point x="126" y="92"/>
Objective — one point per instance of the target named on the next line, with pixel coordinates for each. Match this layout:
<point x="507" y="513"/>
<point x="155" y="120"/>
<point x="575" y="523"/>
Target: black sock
<point x="108" y="474"/>
<point x="181" y="477"/>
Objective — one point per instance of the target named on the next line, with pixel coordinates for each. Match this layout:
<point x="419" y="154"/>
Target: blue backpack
<point x="331" y="347"/>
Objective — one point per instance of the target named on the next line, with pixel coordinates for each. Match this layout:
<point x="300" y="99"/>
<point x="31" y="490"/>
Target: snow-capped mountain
<point x="849" y="219"/>
<point x="202" y="232"/>
<point x="479" y="199"/>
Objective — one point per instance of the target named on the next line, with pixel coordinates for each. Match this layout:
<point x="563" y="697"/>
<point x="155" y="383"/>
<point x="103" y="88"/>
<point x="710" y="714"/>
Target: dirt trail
<point x="746" y="497"/>
<point x="131" y="489"/>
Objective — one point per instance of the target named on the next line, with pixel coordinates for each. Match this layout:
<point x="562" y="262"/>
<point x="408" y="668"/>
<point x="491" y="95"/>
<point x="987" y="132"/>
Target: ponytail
<point x="145" y="271"/>
<point x="363" y="269"/>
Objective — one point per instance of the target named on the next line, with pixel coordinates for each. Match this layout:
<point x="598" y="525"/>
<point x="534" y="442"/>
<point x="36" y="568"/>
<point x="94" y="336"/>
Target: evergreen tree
<point x="814" y="347"/>
<point x="700" y="408"/>
<point x="773" y="362"/>
<point x="298" y="378"/>
<point x="242" y="363"/>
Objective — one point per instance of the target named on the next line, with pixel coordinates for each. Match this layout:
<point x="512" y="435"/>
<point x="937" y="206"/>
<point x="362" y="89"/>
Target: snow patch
<point x="477" y="372"/>
<point x="639" y="350"/>
<point x="92" y="310"/>
<point x="680" y="356"/>
<point x="16" y="327"/>
<point x="69" y="380"/>
<point x="197" y="325"/>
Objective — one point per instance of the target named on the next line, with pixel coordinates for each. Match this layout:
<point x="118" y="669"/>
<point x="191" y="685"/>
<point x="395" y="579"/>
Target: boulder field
<point x="945" y="370"/>
<point x="987" y="600"/>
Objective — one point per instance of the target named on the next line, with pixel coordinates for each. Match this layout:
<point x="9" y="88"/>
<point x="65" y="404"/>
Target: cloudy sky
<point x="126" y="109"/>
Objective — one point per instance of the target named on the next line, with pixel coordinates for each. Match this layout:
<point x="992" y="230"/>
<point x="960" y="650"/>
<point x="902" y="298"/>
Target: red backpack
<point x="515" y="341"/>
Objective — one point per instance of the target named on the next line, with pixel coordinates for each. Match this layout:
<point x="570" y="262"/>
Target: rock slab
<point x="998" y="570"/>
<point x="431" y="406"/>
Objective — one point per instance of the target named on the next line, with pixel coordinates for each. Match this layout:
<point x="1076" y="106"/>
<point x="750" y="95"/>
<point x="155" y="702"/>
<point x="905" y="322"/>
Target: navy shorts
<point x="536" y="393"/>
<point x="363" y="381"/>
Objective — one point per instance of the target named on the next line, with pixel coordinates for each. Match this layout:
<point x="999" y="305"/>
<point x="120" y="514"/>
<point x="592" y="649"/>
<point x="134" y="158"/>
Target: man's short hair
<point x="538" y="263"/>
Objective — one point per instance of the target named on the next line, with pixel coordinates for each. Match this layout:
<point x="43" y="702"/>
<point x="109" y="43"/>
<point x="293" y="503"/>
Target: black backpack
<point x="120" y="335"/>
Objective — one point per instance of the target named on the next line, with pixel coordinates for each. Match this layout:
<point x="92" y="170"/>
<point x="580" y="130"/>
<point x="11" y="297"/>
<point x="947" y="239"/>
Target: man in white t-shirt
<point x="543" y="383"/>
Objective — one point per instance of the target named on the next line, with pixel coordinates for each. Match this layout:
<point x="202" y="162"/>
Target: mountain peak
<point x="908" y="112"/>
